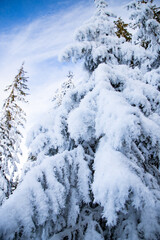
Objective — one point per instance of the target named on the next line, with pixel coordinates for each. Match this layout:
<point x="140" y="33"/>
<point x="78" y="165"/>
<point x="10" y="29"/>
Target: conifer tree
<point x="95" y="42"/>
<point x="146" y="19"/>
<point x="65" y="86"/>
<point x="122" y="30"/>
<point x="41" y="133"/>
<point x="96" y="171"/>
<point x="12" y="119"/>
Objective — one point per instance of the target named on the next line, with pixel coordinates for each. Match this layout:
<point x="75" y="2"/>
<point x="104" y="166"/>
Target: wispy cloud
<point x="38" y="44"/>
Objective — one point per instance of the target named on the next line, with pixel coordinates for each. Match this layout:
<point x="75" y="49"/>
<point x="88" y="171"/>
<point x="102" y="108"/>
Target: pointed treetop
<point x="101" y="6"/>
<point x="100" y="3"/>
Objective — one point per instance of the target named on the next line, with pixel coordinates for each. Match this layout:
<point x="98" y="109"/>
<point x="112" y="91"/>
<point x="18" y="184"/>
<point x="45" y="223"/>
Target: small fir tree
<point x="65" y="86"/>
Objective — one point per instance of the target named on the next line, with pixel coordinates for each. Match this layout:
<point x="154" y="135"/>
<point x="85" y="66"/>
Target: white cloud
<point x="38" y="44"/>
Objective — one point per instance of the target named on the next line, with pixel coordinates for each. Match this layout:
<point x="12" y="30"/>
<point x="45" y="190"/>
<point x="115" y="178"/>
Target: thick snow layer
<point x="119" y="184"/>
<point x="41" y="196"/>
<point x="93" y="165"/>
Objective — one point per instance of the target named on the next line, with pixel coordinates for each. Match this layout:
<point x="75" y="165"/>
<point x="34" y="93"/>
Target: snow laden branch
<point x="48" y="188"/>
<point x="93" y="169"/>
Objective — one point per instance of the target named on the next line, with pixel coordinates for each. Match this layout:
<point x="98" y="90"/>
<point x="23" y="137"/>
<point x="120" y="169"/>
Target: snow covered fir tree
<point x="93" y="169"/>
<point x="12" y="119"/>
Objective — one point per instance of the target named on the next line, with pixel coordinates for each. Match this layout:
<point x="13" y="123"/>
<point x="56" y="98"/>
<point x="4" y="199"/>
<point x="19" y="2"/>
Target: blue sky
<point x="17" y="12"/>
<point x="36" y="31"/>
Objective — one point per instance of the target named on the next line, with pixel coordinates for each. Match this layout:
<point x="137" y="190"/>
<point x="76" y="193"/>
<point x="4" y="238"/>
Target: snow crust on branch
<point x="95" y="161"/>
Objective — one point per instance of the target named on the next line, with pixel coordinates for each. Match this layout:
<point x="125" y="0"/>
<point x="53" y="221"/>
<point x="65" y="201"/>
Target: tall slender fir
<point x="12" y="119"/>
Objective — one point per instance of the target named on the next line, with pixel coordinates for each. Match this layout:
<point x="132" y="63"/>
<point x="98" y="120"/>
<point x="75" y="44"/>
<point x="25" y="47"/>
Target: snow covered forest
<point x="93" y="165"/>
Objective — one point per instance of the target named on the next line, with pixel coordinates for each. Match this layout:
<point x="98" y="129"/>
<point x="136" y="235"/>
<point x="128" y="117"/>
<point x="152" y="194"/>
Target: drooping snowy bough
<point x="94" y="164"/>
